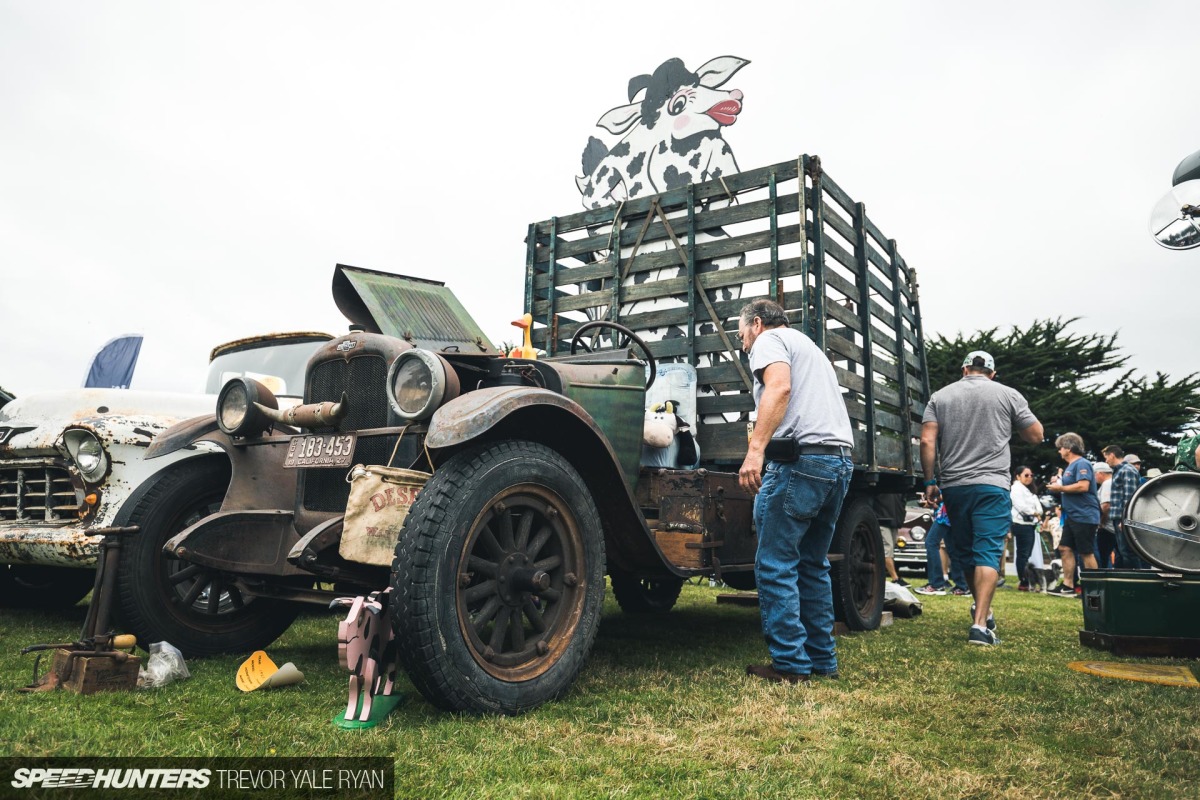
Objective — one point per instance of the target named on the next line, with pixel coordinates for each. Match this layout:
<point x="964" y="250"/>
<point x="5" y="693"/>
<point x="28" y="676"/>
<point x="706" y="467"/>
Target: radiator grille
<point x="37" y="493"/>
<point x="363" y="379"/>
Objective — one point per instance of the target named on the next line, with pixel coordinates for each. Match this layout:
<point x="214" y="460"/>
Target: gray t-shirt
<point x="816" y="412"/>
<point x="976" y="418"/>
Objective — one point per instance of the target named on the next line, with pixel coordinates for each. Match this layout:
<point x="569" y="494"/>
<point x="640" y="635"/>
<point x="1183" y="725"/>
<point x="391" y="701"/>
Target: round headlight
<point x="87" y="453"/>
<point x="419" y="382"/>
<point x="917" y="533"/>
<point x="238" y="412"/>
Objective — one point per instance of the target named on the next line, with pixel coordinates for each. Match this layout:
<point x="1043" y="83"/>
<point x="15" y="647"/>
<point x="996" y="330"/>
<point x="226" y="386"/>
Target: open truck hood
<point x="424" y="313"/>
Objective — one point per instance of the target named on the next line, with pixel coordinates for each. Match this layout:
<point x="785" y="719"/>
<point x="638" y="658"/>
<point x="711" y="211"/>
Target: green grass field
<point x="663" y="709"/>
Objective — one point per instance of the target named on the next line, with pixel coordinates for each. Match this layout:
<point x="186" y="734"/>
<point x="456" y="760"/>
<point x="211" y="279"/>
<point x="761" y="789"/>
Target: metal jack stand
<point x="97" y="661"/>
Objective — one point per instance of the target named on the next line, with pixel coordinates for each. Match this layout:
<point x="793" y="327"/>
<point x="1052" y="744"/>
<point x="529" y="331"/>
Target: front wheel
<point x="498" y="580"/>
<point x="858" y="577"/>
<point x="162" y="599"/>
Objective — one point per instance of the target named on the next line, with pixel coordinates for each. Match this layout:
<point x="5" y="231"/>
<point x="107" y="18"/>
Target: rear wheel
<point x="859" y="575"/>
<point x="163" y="599"/>
<point x="645" y="595"/>
<point x="741" y="581"/>
<point x="498" y="580"/>
<point x="31" y="586"/>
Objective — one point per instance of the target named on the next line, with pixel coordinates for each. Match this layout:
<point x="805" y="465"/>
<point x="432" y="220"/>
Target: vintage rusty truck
<point x="538" y="481"/>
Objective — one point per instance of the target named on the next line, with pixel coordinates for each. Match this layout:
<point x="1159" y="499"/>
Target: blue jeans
<point x="980" y="516"/>
<point x="933" y="559"/>
<point x="1023" y="536"/>
<point x="795" y="513"/>
<point x="1127" y="557"/>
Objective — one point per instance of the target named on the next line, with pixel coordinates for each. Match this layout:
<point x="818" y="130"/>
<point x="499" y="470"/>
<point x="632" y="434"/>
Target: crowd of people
<point x="1083" y="530"/>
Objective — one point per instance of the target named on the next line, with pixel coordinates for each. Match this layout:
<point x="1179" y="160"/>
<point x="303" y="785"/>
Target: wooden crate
<point x="89" y="675"/>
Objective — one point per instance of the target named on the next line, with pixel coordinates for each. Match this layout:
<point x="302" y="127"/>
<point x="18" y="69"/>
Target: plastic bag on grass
<point x="164" y="666"/>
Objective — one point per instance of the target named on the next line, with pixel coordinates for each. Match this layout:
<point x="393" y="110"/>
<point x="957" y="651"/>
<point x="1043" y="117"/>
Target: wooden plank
<point x="721" y="404"/>
<point x="708" y="220"/>
<point x="674" y="546"/>
<point x="737" y="183"/>
<point x="843" y="315"/>
<point x="839" y="196"/>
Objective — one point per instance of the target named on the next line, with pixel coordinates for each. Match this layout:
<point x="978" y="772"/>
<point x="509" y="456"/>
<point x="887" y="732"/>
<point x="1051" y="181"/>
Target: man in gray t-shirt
<point x="967" y="427"/>
<point x="798" y="495"/>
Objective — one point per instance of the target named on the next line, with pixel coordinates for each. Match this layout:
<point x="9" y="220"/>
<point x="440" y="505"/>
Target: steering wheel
<point x="629" y="337"/>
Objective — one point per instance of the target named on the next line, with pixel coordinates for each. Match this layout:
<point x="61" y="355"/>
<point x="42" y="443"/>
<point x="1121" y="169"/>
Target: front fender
<point x="540" y="415"/>
<point x="468" y="417"/>
<point x="181" y="435"/>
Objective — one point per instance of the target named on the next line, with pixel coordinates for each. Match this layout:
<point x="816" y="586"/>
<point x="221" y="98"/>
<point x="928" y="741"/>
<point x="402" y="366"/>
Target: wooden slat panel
<point x="839" y="196"/>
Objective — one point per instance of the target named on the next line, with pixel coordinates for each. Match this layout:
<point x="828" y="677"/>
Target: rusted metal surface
<point x="249" y="542"/>
<point x="474" y="413"/>
<point x="422" y="312"/>
<point x="308" y="415"/>
<point x="267" y="339"/>
<point x="181" y="435"/>
<point x="66" y="546"/>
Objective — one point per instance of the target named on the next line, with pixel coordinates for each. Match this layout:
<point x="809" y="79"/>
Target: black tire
<point x="645" y="595"/>
<point x="741" y="581"/>
<point x="31" y="586"/>
<point x="161" y="599"/>
<point x="520" y="512"/>
<point x="858" y="576"/>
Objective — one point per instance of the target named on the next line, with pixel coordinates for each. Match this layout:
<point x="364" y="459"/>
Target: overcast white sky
<point x="192" y="171"/>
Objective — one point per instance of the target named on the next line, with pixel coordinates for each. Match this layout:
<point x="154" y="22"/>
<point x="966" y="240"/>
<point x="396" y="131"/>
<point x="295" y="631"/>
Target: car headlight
<point x="87" y="453"/>
<point x="419" y="382"/>
<point x="238" y="407"/>
<point x="917" y="533"/>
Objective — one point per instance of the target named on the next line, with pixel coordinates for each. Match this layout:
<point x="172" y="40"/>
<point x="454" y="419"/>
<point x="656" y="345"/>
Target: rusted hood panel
<point x="117" y="416"/>
<point x="474" y="413"/>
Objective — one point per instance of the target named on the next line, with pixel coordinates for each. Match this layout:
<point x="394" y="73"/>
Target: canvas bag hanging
<point x="380" y="497"/>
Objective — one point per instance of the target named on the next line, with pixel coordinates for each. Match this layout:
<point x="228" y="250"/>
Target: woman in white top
<point x="1026" y="512"/>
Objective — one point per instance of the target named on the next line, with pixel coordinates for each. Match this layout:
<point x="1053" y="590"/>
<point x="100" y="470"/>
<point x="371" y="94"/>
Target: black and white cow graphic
<point x="672" y="134"/>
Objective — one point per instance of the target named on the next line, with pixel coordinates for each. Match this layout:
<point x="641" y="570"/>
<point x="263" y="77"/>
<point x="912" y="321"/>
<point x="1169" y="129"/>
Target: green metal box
<point x="1141" y="612"/>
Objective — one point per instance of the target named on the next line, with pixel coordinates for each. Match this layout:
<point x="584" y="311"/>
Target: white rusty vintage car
<point x="71" y="466"/>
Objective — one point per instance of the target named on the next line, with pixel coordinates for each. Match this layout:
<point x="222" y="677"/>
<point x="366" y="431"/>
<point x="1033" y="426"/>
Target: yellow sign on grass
<point x="1146" y="673"/>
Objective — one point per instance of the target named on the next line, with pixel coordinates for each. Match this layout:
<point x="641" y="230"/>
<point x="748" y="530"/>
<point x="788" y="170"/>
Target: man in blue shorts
<point x="1081" y="509"/>
<point x="967" y="427"/>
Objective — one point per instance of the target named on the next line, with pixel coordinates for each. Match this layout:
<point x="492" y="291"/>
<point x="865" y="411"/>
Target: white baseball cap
<point x="980" y="359"/>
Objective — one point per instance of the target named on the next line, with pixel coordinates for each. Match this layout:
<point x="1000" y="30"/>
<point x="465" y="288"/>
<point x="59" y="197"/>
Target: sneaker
<point x="1023" y="587"/>
<point x="982" y="636"/>
<point x="991" y="620"/>
<point x="900" y="582"/>
<point x="958" y="591"/>
<point x="1000" y="583"/>
<point x="1062" y="590"/>
<point x="1079" y="591"/>
<point x="929" y="588"/>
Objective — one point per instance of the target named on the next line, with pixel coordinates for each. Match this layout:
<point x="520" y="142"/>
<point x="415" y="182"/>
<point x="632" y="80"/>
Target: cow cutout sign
<point x="672" y="133"/>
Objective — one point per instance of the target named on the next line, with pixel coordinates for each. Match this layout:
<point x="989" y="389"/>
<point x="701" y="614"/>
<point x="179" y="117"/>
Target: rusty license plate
<point x="320" y="450"/>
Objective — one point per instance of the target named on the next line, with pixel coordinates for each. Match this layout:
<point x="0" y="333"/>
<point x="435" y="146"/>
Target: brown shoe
<point x="769" y="673"/>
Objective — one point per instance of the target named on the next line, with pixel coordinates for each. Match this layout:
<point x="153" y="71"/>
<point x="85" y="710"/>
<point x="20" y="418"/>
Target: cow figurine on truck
<point x="535" y="486"/>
